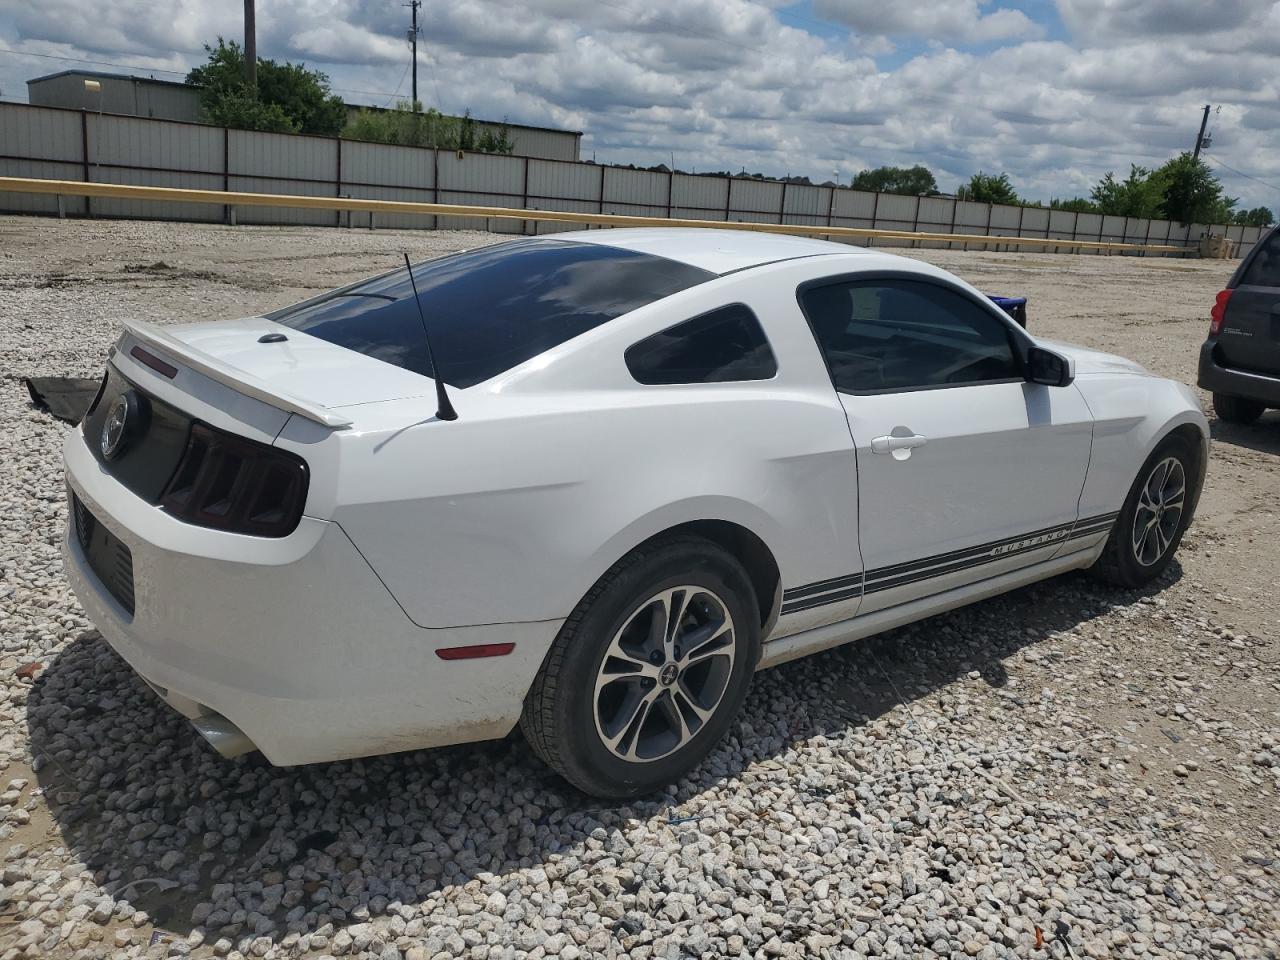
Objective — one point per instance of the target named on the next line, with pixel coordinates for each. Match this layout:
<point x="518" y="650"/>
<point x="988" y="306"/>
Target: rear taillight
<point x="235" y="484"/>
<point x="1218" y="312"/>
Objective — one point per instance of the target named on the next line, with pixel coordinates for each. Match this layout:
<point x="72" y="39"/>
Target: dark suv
<point x="1240" y="362"/>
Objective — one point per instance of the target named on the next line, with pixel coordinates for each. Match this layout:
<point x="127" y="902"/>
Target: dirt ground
<point x="1170" y="699"/>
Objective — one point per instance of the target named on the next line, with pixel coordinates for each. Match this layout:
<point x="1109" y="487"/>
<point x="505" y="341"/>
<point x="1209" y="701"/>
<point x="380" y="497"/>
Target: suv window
<point x="724" y="345"/>
<point x="1264" y="268"/>
<point x="490" y="309"/>
<point x="891" y="335"/>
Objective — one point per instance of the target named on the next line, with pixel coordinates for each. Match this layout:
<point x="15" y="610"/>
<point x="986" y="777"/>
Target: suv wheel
<point x="648" y="672"/>
<point x="1237" y="409"/>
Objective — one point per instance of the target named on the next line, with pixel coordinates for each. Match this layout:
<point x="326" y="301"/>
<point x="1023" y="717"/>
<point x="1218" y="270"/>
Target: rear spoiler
<point x="251" y="386"/>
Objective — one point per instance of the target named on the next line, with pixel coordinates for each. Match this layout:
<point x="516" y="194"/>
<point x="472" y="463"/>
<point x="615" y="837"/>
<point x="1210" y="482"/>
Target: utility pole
<point x="250" y="47"/>
<point x="413" y="5"/>
<point x="1204" y="122"/>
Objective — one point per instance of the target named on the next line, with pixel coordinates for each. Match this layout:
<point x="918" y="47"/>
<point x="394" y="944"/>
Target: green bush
<point x="412" y="127"/>
<point x="289" y="98"/>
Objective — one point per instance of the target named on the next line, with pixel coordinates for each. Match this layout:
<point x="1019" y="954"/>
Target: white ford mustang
<point x="678" y="456"/>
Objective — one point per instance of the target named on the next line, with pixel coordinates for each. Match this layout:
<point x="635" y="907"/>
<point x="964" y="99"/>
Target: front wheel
<point x="1153" y="519"/>
<point x="648" y="672"/>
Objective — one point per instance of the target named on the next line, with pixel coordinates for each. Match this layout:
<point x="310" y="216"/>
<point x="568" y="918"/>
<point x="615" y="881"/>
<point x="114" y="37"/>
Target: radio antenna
<point x="444" y="409"/>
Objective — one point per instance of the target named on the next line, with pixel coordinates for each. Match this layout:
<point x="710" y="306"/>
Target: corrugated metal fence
<point x="53" y="143"/>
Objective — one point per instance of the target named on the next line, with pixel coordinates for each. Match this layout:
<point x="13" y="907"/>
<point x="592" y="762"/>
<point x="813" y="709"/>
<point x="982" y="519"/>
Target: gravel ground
<point x="1066" y="771"/>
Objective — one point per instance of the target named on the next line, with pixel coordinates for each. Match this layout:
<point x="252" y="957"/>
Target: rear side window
<point x="1264" y="268"/>
<point x="722" y="346"/>
<point x="889" y="335"/>
<point x="490" y="309"/>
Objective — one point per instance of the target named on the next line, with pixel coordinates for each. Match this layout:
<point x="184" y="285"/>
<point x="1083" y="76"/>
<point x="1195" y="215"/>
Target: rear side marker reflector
<point x="154" y="362"/>
<point x="476" y="651"/>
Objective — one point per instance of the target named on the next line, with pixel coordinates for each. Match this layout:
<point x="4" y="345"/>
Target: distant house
<point x="133" y="96"/>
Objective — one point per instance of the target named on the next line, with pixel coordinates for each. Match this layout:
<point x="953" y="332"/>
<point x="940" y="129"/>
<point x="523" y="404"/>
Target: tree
<point x="988" y="188"/>
<point x="1257" y="217"/>
<point x="409" y="125"/>
<point x="1140" y="194"/>
<point x="289" y="98"/>
<point x="1191" y="193"/>
<point x="1074" y="205"/>
<point x="917" y="181"/>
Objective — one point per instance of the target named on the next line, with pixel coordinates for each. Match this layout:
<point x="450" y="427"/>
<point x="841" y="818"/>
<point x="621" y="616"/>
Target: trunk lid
<point x="298" y="373"/>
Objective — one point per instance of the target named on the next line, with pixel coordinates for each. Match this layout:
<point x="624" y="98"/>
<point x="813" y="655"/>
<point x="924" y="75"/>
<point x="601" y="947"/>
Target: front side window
<point x="490" y="309"/>
<point x="722" y="346"/>
<point x="891" y="335"/>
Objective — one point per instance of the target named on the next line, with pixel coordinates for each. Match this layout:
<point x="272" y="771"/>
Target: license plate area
<point x="108" y="556"/>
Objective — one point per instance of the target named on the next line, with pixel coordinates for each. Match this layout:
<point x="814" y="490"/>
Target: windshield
<point x="490" y="309"/>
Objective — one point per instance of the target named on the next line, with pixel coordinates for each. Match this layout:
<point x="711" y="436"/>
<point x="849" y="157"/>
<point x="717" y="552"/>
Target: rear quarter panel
<point x="555" y="471"/>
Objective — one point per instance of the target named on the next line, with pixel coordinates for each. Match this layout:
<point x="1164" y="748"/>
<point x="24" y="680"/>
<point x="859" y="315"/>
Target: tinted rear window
<point x="490" y="309"/>
<point x="1264" y="268"/>
<point x="722" y="346"/>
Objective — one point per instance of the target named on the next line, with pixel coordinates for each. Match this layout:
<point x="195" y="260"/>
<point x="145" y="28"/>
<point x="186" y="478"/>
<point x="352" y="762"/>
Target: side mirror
<point x="1051" y="369"/>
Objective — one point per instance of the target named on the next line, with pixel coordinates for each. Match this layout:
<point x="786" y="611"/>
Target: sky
<point x="1053" y="93"/>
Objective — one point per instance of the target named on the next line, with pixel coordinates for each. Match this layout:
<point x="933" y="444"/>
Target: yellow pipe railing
<point x="79" y="188"/>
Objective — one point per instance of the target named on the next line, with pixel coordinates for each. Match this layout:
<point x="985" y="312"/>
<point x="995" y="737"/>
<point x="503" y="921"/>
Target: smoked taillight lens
<point x="1218" y="312"/>
<point x="235" y="484"/>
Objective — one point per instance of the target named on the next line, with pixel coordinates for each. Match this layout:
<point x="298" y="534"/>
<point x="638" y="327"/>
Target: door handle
<point x="900" y="447"/>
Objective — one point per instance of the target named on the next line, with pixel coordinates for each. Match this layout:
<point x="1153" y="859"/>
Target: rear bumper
<point x="295" y="643"/>
<point x="1236" y="383"/>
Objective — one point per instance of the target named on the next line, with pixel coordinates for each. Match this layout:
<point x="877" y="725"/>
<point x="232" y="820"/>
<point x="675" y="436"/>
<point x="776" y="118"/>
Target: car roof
<point x="715" y="250"/>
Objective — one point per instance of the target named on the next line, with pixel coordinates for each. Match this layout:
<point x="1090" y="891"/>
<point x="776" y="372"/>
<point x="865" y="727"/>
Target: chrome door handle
<point x="900" y="447"/>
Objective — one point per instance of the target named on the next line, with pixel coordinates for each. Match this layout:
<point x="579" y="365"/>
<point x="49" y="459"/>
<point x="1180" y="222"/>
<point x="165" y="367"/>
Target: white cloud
<point x="1120" y="21"/>
<point x="950" y="21"/>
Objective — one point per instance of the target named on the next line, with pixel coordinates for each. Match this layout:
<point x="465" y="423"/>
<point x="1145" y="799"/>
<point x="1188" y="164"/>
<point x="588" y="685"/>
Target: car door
<point x="965" y="469"/>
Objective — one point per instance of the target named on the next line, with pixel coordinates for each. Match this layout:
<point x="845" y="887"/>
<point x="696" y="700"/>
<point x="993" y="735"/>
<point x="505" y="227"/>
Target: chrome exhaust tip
<point x="223" y="735"/>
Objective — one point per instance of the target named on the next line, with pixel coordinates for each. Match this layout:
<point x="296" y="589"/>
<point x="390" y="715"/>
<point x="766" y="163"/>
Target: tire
<point x="576" y="714"/>
<point x="1237" y="409"/>
<point x="1138" y="551"/>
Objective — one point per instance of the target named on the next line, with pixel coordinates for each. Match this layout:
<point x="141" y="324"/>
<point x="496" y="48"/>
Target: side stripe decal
<point x="984" y="551"/>
<point x="850" y="586"/>
<point x="822" y="586"/>
<point x="808" y="603"/>
<point x="876" y="584"/>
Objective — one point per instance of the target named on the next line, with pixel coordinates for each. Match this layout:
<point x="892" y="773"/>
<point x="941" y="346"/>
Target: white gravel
<point x="1067" y="771"/>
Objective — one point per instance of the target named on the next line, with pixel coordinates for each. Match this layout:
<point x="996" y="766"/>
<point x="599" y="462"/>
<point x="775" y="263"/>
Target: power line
<point x="1241" y="173"/>
<point x="431" y="63"/>
<point x="403" y="74"/>
<point x="100" y="63"/>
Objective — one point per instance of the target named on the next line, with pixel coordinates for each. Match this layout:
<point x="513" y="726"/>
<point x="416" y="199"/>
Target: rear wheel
<point x="648" y="672"/>
<point x="1153" y="519"/>
<point x="1237" y="409"/>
